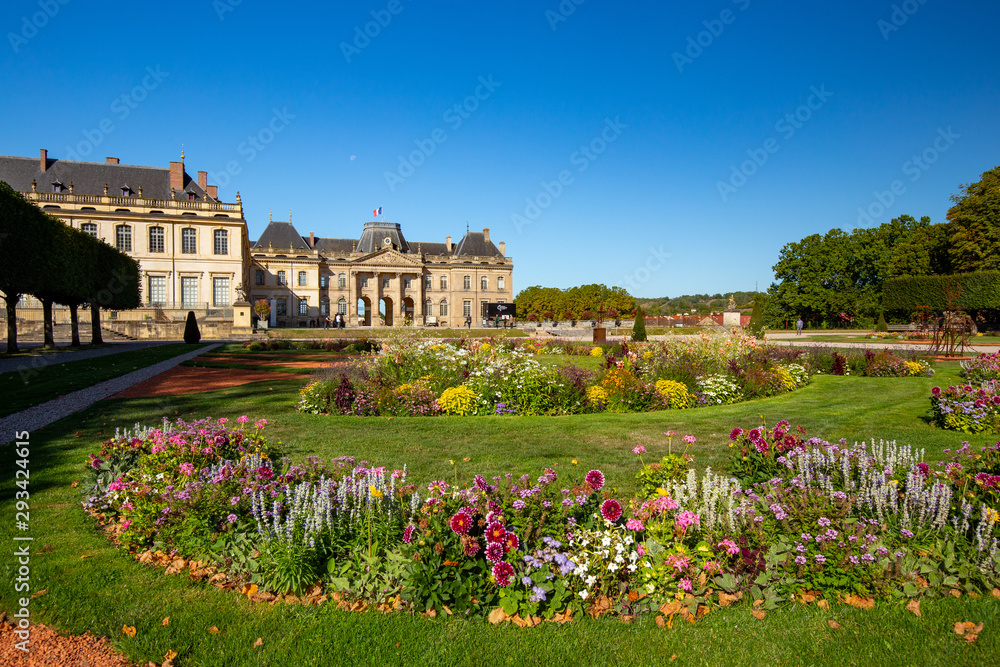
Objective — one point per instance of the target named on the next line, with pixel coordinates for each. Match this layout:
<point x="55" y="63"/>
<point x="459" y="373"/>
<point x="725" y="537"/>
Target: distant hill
<point x="694" y="303"/>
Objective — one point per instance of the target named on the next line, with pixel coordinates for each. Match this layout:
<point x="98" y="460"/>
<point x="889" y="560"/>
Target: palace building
<point x="195" y="253"/>
<point x="378" y="276"/>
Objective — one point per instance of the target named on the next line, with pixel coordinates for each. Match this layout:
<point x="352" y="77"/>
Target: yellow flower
<point x="662" y="492"/>
<point x="575" y="461"/>
<point x="597" y="352"/>
<point x="375" y="492"/>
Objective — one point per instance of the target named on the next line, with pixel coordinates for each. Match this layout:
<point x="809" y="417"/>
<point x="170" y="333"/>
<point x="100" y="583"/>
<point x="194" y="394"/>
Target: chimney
<point x="44" y="160"/>
<point x="312" y="240"/>
<point x="203" y="180"/>
<point x="177" y="175"/>
<point x="503" y="248"/>
<point x="111" y="160"/>
<point x="213" y="191"/>
<point x="486" y="234"/>
<point x="447" y="243"/>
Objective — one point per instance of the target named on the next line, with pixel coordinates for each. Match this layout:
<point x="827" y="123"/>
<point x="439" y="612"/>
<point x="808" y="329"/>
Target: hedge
<point x="977" y="291"/>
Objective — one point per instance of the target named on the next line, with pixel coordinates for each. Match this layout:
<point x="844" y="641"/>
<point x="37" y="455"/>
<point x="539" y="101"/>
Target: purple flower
<point x="235" y="500"/>
<point x="823" y="521"/>
<point x="800" y="559"/>
<point x="231" y="518"/>
<point x="820" y="558"/>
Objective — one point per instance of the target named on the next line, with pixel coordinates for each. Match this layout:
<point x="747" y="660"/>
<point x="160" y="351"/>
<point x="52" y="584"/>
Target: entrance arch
<point x="407" y="310"/>
<point x="385" y="310"/>
<point x="365" y="311"/>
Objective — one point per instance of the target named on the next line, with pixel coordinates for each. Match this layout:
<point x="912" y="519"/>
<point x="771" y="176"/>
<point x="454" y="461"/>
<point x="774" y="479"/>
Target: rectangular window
<point x="364" y="282"/>
<point x="221" y="242"/>
<point x="189" y="241"/>
<point x="158" y="290"/>
<point x="281" y="278"/>
<point x="123" y="238"/>
<point x="500" y="284"/>
<point x="324" y="307"/>
<point x="302" y="278"/>
<point x="89" y="228"/>
<point x="303" y="306"/>
<point x="428" y="282"/>
<point x="444" y="308"/>
<point x="466" y="308"/>
<point x="467" y="282"/>
<point x="444" y="282"/>
<point x="156" y="239"/>
<point x="482" y="309"/>
<point x="280" y="307"/>
<point x="342" y="281"/>
<point x="385" y="283"/>
<point x="220" y="292"/>
<point x="324" y="280"/>
<point x="342" y="307"/>
<point x="260" y="277"/>
<point x="484" y="283"/>
<point x="407" y="283"/>
<point x="189" y="292"/>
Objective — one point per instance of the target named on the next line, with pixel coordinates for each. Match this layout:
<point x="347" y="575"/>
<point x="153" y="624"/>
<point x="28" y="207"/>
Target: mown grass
<point x="109" y="589"/>
<point x="45" y="378"/>
<point x="383" y="332"/>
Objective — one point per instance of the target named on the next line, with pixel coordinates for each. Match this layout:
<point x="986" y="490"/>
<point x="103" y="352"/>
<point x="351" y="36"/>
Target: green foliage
<point x="756" y="326"/>
<point x="639" y="328"/>
<point x="882" y="325"/>
<point x="974" y="224"/>
<point x="553" y="300"/>
<point x="288" y="567"/>
<point x="978" y="291"/>
<point x="671" y="468"/>
<point x="191" y="332"/>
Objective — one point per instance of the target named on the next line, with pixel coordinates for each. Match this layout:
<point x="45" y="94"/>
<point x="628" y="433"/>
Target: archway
<point x="385" y="310"/>
<point x="365" y="311"/>
<point x="408" y="310"/>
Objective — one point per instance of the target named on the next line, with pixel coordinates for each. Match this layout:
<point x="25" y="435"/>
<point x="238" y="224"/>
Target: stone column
<point x="402" y="305"/>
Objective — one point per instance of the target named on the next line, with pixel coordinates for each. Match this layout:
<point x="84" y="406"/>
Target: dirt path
<point x="187" y="380"/>
<point x="290" y="363"/>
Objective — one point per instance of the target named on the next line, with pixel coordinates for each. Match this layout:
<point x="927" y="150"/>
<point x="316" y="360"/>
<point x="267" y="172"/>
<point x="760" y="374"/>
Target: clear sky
<point x="692" y="140"/>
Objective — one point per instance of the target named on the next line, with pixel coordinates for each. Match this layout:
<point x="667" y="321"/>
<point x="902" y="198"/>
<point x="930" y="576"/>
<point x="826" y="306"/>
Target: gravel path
<point x="42" y="415"/>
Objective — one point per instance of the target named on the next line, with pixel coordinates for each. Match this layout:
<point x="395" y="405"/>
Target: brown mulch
<point x="50" y="649"/>
<point x="291" y="363"/>
<point x="187" y="380"/>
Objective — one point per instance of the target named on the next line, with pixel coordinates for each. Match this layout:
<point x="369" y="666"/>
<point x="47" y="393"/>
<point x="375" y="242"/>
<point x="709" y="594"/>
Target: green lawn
<point x="382" y="332"/>
<point x="108" y="590"/>
<point x="46" y="378"/>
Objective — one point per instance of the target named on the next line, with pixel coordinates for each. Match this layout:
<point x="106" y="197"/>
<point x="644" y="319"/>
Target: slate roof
<point x="475" y="243"/>
<point x="88" y="178"/>
<point x="281" y="235"/>
<point x="375" y="232"/>
<point x="335" y="246"/>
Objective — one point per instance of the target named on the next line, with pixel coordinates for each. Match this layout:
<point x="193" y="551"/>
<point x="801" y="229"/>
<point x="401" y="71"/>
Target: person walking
<point x="468" y="321"/>
<point x="798" y="326"/>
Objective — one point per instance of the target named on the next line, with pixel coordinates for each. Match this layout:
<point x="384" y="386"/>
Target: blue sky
<point x="693" y="140"/>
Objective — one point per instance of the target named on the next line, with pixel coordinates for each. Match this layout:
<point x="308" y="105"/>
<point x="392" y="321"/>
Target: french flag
<point x="377" y="212"/>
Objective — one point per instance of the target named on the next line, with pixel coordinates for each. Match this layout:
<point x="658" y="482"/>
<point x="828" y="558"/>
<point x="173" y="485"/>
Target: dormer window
<point x="127" y="191"/>
<point x="191" y="196"/>
<point x="57" y="186"/>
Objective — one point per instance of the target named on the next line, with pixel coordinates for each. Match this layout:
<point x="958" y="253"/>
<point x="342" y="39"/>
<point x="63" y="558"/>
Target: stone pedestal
<point x="731" y="318"/>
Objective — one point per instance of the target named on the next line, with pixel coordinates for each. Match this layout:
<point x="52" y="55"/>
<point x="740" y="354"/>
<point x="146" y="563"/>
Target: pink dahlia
<point x="461" y="523"/>
<point x="735" y="433"/>
<point x="495" y="532"/>
<point x="471" y="548"/>
<point x="511" y="542"/>
<point x="495" y="552"/>
<point x="611" y="510"/>
<point x="596" y="479"/>
<point x="502" y="572"/>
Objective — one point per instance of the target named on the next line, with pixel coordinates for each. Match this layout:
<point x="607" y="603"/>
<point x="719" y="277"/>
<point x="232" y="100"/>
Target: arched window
<point x="342" y="306"/>
<point x="281" y="277"/>
<point x="302" y="278"/>
<point x="89" y="228"/>
<point x="342" y="281"/>
<point x="484" y="283"/>
<point x="444" y="282"/>
<point x="189" y="240"/>
<point x="324" y="307"/>
<point x="501" y="284"/>
<point x="444" y="307"/>
<point x="156" y="239"/>
<point x="428" y="307"/>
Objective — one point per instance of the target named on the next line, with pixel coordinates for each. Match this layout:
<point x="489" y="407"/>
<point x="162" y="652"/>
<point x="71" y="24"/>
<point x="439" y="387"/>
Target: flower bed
<point x="802" y="518"/>
<point x="411" y="378"/>
<point x="982" y="367"/>
<point x="967" y="408"/>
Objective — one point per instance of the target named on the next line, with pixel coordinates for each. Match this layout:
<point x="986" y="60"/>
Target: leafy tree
<point x="925" y="252"/>
<point x="974" y="225"/>
<point x="639" y="328"/>
<point x="756" y="325"/>
<point x="115" y="285"/>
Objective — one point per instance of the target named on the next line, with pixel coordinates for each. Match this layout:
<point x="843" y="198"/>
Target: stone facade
<point x="377" y="278"/>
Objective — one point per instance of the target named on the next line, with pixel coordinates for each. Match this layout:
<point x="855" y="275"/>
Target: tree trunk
<point x="12" y="300"/>
<point x="74" y="319"/>
<point x="95" y="325"/>
<point x="50" y="342"/>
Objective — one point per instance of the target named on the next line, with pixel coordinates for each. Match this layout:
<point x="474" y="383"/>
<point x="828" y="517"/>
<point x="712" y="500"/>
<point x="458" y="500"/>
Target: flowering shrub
<point x="967" y="408"/>
<point x="756" y="454"/>
<point x="597" y="352"/>
<point x="676" y="393"/>
<point x="982" y="367"/>
<point x="458" y="401"/>
<point x="719" y="390"/>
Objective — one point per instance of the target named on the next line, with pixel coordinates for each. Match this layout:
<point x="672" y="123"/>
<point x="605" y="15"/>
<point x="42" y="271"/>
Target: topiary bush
<point x="639" y="328"/>
<point x="191" y="332"/>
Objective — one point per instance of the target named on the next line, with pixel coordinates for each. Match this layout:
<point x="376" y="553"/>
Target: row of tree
<point x="45" y="258"/>
<point x="696" y="303"/>
<point x="838" y="277"/>
<point x="574" y="302"/>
